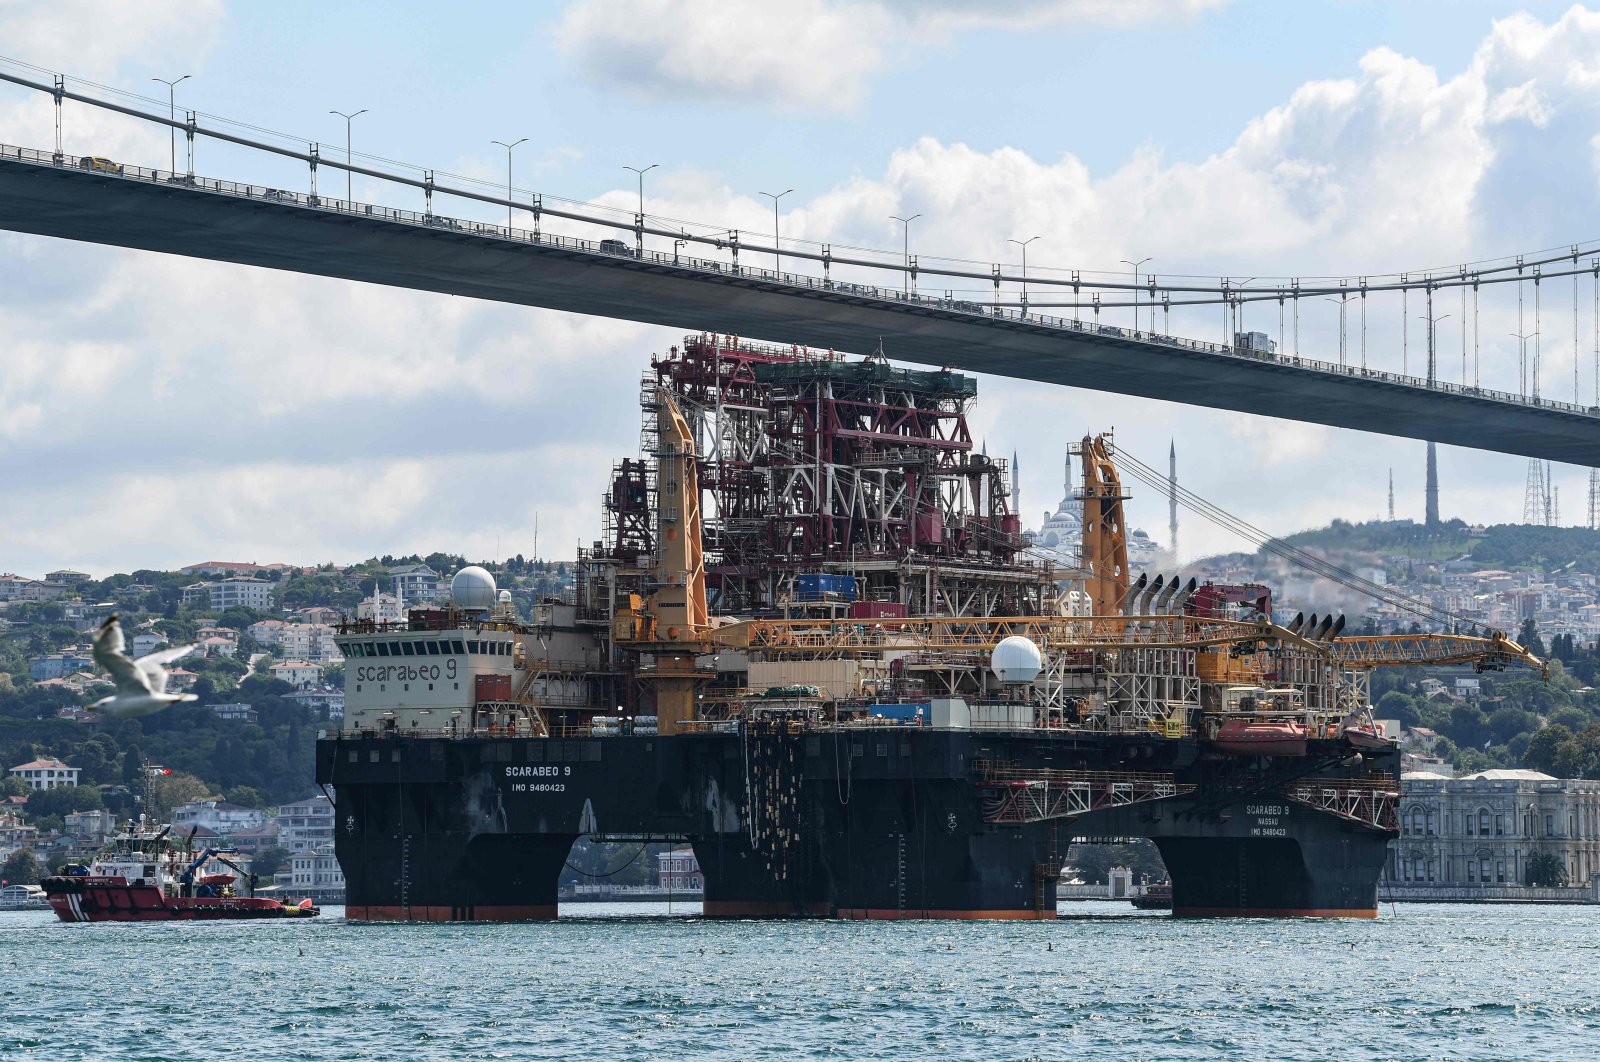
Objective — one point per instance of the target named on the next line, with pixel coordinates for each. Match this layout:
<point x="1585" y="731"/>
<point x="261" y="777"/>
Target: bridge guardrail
<point x="308" y="200"/>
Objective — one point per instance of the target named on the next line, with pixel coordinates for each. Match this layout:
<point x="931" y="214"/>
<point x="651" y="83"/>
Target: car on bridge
<point x="96" y="164"/>
<point x="615" y="247"/>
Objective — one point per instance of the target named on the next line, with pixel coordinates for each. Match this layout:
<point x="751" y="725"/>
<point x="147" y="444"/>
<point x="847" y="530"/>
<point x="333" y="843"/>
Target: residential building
<point x="144" y="643"/>
<point x="328" y="700"/>
<point x="46" y="774"/>
<point x="94" y="825"/>
<point x="66" y="577"/>
<point x="216" y="645"/>
<point x="14" y="833"/>
<point x="297" y="641"/>
<point x="243" y="713"/>
<point x="20" y="588"/>
<point x="1486" y="829"/>
<point x="219" y="816"/>
<point x="316" y="871"/>
<point x="306" y="824"/>
<point x="214" y="569"/>
<point x="679" y="870"/>
<point x="57" y="665"/>
<point x="244" y="591"/>
<point x="265" y="632"/>
<point x="254" y="840"/>
<point x="298" y="673"/>
<point x="414" y="582"/>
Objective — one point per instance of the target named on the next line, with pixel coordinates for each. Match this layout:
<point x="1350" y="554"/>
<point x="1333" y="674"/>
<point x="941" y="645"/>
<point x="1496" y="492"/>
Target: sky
<point x="157" y="411"/>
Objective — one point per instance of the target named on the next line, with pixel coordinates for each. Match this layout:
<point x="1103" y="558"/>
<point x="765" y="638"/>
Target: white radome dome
<point x="504" y="597"/>
<point x="473" y="589"/>
<point x="1016" y="660"/>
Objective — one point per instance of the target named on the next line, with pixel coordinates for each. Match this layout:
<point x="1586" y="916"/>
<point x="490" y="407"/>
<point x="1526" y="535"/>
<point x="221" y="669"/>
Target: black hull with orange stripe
<point x="876" y="824"/>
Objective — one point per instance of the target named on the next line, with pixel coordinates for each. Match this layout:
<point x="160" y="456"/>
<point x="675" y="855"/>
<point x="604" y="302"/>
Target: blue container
<point x="905" y="713"/>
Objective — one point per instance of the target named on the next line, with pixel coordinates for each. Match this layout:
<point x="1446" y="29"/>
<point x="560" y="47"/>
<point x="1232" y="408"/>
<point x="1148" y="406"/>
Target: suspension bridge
<point x="591" y="259"/>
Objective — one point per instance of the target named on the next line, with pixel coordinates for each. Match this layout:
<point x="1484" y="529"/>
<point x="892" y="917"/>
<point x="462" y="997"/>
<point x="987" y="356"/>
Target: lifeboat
<point x="1367" y="737"/>
<point x="217" y="879"/>
<point x="1243" y="737"/>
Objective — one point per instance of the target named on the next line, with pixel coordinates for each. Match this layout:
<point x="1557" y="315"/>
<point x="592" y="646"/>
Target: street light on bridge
<point x="1136" y="266"/>
<point x="777" y="258"/>
<point x="1522" y="360"/>
<point x="172" y="113"/>
<point x="639" y="232"/>
<point x="508" y="148"/>
<point x="1024" y="245"/>
<point x="906" y="223"/>
<point x="348" y="118"/>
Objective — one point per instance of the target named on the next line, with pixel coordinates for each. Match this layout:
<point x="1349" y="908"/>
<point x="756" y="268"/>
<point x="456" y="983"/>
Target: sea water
<point x="645" y="982"/>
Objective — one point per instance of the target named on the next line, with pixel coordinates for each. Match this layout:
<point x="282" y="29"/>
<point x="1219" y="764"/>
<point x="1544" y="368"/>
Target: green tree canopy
<point x="21" y="867"/>
<point x="64" y="799"/>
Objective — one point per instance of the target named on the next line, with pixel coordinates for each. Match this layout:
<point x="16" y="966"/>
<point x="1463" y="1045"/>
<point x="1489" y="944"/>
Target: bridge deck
<point x="253" y="225"/>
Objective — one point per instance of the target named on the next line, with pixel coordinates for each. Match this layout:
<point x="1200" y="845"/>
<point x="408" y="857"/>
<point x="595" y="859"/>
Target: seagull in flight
<point x="142" y="683"/>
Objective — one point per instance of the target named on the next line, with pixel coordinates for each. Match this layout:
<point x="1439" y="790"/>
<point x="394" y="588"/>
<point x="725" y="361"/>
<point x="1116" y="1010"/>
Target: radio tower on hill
<point x="1594" y="499"/>
<point x="1533" y="494"/>
<point x="1391" y="495"/>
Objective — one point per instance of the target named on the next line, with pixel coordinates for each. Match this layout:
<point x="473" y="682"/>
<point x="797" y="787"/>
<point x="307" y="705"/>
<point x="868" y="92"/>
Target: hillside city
<point x="234" y="767"/>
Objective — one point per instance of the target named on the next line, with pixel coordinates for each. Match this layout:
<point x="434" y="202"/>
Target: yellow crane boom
<point x="1367" y="651"/>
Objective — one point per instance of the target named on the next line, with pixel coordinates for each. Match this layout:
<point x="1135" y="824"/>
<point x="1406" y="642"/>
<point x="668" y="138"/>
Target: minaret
<point x="1432" y="501"/>
<point x="1172" y="498"/>
<point x="1391" y="495"/>
<point x="1016" y="486"/>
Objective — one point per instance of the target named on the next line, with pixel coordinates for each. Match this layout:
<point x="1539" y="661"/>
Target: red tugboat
<point x="141" y="877"/>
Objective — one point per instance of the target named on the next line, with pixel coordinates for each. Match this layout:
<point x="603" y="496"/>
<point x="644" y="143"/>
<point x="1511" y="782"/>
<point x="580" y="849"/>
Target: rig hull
<point x="868" y="823"/>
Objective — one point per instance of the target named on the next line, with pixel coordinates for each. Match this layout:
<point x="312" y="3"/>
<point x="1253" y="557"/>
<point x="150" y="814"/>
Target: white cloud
<point x="91" y="38"/>
<point x="801" y="54"/>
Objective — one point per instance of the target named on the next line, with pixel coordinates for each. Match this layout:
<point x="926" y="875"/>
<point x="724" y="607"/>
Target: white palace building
<point x="1488" y="835"/>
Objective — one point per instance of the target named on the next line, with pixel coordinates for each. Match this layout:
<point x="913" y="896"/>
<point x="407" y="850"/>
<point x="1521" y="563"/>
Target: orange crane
<point x="668" y="627"/>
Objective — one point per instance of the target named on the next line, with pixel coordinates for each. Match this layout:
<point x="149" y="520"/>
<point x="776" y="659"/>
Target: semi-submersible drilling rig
<point x="811" y="643"/>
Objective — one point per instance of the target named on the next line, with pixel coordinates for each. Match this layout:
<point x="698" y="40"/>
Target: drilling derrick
<point x="856" y="471"/>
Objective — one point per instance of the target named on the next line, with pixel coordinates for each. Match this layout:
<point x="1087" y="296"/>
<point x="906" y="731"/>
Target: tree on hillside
<point x="64" y="799"/>
<point x="1543" y="746"/>
<point x="245" y="796"/>
<point x="269" y="861"/>
<point x="238" y="617"/>
<point x="1528" y="635"/>
<point x="174" y="789"/>
<point x="21" y="868"/>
